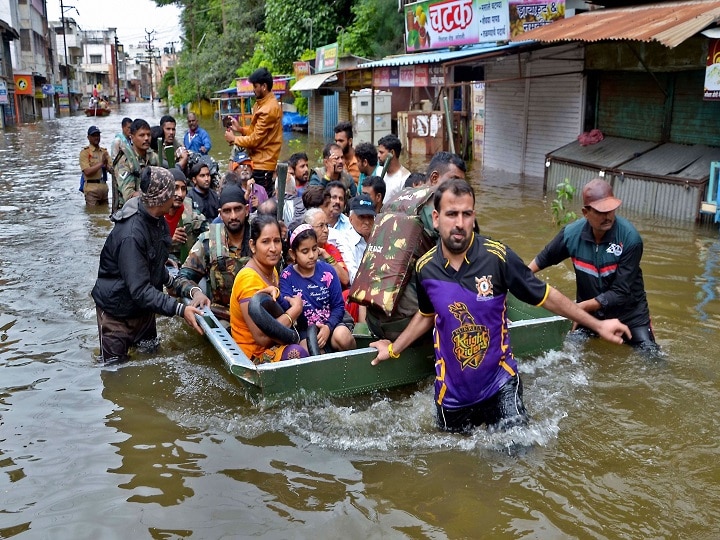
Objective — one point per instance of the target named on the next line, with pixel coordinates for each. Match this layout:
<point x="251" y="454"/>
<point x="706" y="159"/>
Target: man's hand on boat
<point x="189" y="315"/>
<point x="199" y="300"/>
<point x="382" y="348"/>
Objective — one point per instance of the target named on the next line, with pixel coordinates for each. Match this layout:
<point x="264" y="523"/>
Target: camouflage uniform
<point x="212" y="258"/>
<point x="129" y="167"/>
<point x="194" y="224"/>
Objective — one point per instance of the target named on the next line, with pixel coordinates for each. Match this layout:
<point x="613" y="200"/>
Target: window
<point x="96" y="59"/>
<point x="25" y="40"/>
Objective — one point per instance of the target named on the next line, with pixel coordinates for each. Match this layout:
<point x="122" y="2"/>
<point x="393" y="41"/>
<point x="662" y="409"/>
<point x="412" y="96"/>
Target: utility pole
<point x="67" y="68"/>
<point x="117" y="72"/>
<point x="149" y="49"/>
<point x="172" y="51"/>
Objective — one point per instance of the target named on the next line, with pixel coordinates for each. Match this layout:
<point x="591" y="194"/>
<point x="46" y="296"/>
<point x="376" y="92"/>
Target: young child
<point x="320" y="289"/>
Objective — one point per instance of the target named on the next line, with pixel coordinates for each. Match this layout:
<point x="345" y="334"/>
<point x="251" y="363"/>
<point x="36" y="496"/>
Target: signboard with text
<point x="409" y="76"/>
<point x="712" y="72"/>
<point x="326" y="58"/>
<point x="245" y="87"/>
<point x="528" y="14"/>
<point x="438" y="24"/>
<point x="301" y="69"/>
<point x="3" y="93"/>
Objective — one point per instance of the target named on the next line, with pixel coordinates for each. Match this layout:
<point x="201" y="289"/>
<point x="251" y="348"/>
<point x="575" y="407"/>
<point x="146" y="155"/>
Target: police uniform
<point x="95" y="188"/>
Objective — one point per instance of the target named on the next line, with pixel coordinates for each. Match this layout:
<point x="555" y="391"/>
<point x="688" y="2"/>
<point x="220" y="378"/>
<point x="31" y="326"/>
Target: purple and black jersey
<point x="473" y="357"/>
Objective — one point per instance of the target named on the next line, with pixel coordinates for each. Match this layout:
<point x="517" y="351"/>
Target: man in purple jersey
<point x="462" y="285"/>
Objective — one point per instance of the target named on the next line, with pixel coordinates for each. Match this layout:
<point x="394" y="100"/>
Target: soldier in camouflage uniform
<point x="222" y="251"/>
<point x="131" y="163"/>
<point x="184" y="219"/>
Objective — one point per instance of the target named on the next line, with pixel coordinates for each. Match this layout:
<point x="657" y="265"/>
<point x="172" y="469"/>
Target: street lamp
<point x="309" y="22"/>
<point x="340" y="30"/>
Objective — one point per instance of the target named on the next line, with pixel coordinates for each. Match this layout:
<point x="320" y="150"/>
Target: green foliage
<point x="565" y="192"/>
<point x="287" y="27"/>
<point x="301" y="103"/>
<point x="377" y="29"/>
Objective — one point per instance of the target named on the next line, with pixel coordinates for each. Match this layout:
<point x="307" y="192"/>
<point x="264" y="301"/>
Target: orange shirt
<point x="247" y="283"/>
<point x="353" y="168"/>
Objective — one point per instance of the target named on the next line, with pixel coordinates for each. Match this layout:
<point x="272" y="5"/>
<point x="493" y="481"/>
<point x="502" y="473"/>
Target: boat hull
<point x="97" y="112"/>
<point x="532" y="331"/>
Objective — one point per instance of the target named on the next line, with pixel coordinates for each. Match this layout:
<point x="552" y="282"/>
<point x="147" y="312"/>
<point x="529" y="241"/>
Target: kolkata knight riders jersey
<point x="473" y="356"/>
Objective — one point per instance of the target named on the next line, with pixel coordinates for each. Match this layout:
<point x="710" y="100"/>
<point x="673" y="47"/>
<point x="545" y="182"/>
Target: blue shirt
<point x="194" y="142"/>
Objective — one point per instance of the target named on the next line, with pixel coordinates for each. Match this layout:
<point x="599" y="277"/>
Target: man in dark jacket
<point x="129" y="288"/>
<point x="605" y="250"/>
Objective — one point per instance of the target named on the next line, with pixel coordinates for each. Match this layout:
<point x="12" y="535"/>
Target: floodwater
<point x="170" y="446"/>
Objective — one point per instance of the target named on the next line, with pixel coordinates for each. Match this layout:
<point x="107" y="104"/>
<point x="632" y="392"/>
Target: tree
<point x="377" y="30"/>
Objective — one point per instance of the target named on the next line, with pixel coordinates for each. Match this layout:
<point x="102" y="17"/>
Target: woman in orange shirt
<point x="260" y="275"/>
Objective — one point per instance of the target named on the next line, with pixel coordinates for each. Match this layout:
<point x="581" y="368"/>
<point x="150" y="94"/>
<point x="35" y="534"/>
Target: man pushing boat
<point x="462" y="287"/>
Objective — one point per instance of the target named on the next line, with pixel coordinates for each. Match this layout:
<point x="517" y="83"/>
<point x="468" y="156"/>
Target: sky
<point x="131" y="18"/>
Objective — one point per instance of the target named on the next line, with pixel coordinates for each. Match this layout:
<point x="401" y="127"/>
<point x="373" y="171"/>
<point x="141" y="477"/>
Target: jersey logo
<point x="484" y="287"/>
<point x="470" y="340"/>
<point x="615" y="249"/>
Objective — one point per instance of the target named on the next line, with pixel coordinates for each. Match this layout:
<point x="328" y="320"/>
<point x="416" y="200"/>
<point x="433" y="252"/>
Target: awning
<point x="8" y="30"/>
<point x="668" y="23"/>
<point x="313" y="82"/>
<point x="434" y="56"/>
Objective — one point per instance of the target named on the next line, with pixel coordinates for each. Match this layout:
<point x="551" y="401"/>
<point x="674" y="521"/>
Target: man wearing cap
<point x="222" y="251"/>
<point x="606" y="252"/>
<point x="95" y="164"/>
<point x="255" y="194"/>
<point x="185" y="221"/>
<point x="362" y="219"/>
<point x="128" y="292"/>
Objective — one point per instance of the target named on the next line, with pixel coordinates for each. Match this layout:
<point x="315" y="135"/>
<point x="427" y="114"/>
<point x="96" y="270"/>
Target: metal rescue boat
<point x="533" y="330"/>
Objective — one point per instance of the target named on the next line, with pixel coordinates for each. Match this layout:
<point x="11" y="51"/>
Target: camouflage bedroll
<point x="402" y="233"/>
<point x="395" y="244"/>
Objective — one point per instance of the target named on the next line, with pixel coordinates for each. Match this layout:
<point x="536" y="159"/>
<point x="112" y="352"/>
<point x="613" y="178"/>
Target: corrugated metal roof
<point x="313" y="82"/>
<point x="669" y="23"/>
<point x="435" y="56"/>
<point x="609" y="153"/>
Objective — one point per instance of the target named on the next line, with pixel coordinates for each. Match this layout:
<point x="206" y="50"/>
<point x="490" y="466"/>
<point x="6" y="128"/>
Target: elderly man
<point x="362" y="219"/>
<point x="332" y="170"/>
<point x="133" y="161"/>
<point x="263" y="137"/>
<point x="220" y="253"/>
<point x="95" y="164"/>
<point x="128" y="292"/>
<point x="327" y="251"/>
<point x="196" y="139"/>
<point x="605" y="250"/>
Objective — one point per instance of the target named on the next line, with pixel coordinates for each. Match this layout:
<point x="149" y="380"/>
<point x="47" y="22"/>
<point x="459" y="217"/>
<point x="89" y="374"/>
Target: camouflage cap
<point x="160" y="189"/>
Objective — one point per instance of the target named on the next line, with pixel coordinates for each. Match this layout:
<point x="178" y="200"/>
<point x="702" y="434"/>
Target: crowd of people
<point x="179" y="236"/>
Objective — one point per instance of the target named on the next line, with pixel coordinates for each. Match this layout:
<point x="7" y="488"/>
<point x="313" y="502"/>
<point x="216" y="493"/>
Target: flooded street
<point x="170" y="446"/>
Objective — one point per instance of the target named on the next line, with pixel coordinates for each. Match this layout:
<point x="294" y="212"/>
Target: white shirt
<point x="395" y="182"/>
<point x="342" y="224"/>
<point x="351" y="246"/>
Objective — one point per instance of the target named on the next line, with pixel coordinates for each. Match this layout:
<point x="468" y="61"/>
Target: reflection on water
<point x="170" y="445"/>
